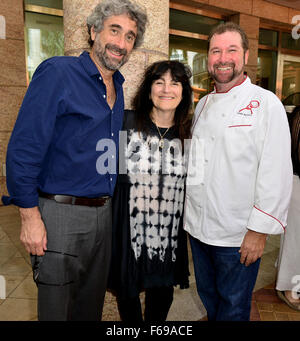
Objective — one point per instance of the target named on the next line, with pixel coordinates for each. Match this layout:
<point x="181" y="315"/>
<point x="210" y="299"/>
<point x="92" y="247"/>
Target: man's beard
<point x="223" y="79"/>
<point x="108" y="61"/>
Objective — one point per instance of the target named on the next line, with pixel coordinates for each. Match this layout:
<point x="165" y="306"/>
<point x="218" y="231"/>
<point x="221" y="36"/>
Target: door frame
<point x="280" y="63"/>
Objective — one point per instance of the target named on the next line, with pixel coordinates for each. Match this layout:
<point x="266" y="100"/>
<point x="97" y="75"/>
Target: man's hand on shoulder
<point x="33" y="232"/>
<point x="252" y="247"/>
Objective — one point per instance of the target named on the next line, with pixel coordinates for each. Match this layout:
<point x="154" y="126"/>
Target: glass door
<point x="44" y="32"/>
<point x="288" y="81"/>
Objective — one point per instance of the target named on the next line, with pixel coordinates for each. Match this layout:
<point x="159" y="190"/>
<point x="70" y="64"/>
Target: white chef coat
<point x="240" y="170"/>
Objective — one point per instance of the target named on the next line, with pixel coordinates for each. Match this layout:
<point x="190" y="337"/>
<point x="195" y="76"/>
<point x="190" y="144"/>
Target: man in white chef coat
<point x="239" y="178"/>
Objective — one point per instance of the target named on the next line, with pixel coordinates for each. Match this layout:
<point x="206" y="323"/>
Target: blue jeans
<point x="224" y="284"/>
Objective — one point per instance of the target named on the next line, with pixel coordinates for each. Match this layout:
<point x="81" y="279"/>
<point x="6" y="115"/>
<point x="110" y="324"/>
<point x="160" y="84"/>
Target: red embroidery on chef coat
<point x="252" y="105"/>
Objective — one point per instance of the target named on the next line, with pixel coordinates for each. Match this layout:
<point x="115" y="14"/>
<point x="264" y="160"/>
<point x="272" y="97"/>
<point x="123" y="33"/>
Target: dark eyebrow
<point x="116" y="26"/>
<point x="121" y="28"/>
<point x="217" y="48"/>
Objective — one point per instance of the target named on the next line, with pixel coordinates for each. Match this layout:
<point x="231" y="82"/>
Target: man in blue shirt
<point x="61" y="164"/>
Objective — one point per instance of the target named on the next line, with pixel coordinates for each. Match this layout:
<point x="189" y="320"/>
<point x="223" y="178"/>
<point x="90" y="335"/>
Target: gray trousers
<point x="72" y="275"/>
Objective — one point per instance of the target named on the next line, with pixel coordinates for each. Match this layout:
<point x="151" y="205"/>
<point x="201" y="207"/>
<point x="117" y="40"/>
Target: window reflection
<point x="268" y="37"/>
<point x="46" y="3"/>
<point x="291" y="78"/>
<point x="288" y="42"/>
<point x="266" y="69"/>
<point x="44" y="38"/>
<point x="192" y="52"/>
<point x="190" y="22"/>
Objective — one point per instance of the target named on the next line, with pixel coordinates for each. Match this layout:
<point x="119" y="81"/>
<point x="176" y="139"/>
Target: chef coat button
<point x="223" y="115"/>
<point x="212" y="137"/>
<point x="206" y="160"/>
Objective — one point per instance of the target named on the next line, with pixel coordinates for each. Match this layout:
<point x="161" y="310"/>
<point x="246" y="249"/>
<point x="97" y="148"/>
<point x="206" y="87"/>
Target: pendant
<point x="161" y="143"/>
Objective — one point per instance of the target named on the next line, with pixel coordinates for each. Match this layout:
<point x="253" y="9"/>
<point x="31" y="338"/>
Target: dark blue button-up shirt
<point x="65" y="140"/>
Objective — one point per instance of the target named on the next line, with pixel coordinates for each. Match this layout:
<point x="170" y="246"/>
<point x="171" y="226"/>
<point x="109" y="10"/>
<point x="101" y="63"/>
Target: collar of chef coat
<point x="233" y="90"/>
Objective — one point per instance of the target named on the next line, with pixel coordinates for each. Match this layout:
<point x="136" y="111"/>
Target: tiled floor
<point x="21" y="293"/>
<point x="266" y="306"/>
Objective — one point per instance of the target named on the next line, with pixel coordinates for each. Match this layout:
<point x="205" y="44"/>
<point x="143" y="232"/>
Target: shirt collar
<point x="236" y="88"/>
<point x="92" y="70"/>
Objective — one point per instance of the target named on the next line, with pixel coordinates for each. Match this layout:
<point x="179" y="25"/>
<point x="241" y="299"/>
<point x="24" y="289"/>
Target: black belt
<point x="71" y="200"/>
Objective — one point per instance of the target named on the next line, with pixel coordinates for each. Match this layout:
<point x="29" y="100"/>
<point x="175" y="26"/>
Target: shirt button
<point x="112" y="156"/>
<point x="112" y="134"/>
<point x="104" y="96"/>
<point x="110" y="179"/>
<point x="100" y="78"/>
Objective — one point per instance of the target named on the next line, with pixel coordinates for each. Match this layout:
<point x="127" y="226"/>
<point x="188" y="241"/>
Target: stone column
<point x="13" y="74"/>
<point x="250" y="25"/>
<point x="154" y="48"/>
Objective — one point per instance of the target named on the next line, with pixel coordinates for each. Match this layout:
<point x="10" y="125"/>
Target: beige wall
<point x="154" y="48"/>
<point x="12" y="74"/>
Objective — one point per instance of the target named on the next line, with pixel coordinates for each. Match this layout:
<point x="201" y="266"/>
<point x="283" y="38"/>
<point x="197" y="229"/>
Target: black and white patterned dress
<point x="149" y="244"/>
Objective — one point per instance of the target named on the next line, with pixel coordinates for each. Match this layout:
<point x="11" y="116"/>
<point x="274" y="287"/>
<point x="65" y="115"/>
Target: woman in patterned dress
<point x="149" y="245"/>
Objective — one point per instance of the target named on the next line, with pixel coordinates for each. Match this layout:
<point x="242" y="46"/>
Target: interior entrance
<point x="288" y="79"/>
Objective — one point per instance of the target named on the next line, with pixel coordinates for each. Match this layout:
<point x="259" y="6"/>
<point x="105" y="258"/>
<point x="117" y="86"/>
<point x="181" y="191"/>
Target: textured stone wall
<point x="12" y="73"/>
<point x="154" y="48"/>
<point x="250" y="24"/>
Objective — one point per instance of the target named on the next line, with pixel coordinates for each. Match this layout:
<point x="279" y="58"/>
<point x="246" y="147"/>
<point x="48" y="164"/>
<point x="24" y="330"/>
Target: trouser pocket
<point x="55" y="268"/>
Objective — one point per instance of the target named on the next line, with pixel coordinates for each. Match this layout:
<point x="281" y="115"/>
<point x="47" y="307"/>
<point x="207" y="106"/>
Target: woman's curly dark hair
<point x="142" y="103"/>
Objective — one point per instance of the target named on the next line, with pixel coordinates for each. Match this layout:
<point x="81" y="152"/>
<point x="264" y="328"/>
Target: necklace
<point x="161" y="140"/>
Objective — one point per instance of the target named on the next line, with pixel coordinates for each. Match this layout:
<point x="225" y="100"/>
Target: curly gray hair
<point x="108" y="8"/>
